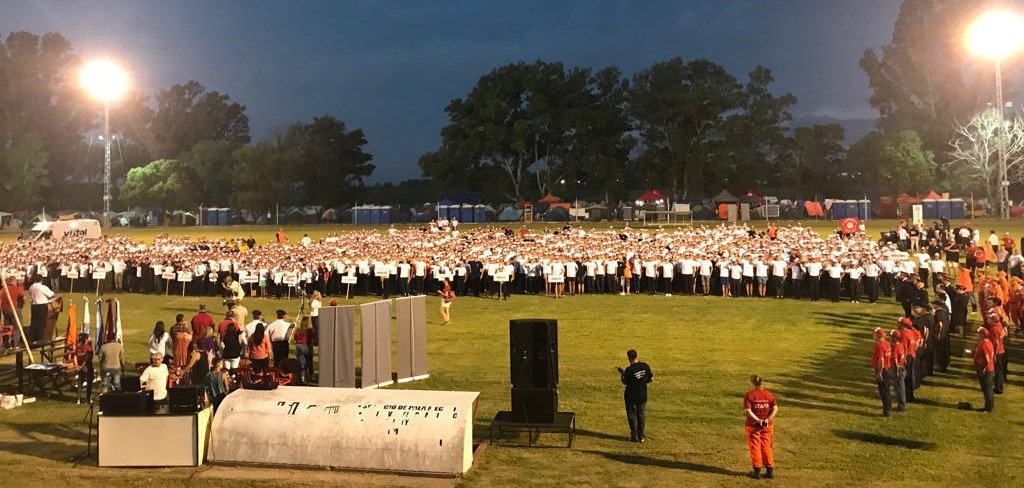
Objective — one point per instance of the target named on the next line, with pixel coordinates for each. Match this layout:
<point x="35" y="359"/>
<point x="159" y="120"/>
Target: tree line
<point x="181" y="147"/>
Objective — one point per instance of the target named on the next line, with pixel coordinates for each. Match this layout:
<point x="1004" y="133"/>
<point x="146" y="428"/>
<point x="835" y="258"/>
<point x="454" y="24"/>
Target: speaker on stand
<point x="533" y="369"/>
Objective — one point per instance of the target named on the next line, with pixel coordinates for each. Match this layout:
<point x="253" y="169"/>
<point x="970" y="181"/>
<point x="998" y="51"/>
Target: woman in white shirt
<point x="314" y="313"/>
<point x="159" y="340"/>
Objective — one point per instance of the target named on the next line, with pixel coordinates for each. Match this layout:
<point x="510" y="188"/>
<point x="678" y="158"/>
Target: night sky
<point x="390" y="67"/>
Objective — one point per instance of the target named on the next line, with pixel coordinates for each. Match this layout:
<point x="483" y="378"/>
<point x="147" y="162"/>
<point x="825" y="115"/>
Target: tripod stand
<point x="90" y="420"/>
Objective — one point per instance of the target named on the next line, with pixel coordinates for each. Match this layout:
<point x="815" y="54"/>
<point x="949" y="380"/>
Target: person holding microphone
<point x="760" y="408"/>
<point x="636" y="376"/>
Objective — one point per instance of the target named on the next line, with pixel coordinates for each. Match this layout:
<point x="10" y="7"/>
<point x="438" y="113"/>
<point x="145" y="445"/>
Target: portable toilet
<point x="957" y="208"/>
<point x="466" y="213"/>
<point x="839" y="210"/>
<point x="223" y="216"/>
<point x="945" y="209"/>
<point x="479" y="213"/>
<point x="863" y="209"/>
<point x="385" y="214"/>
<point x="210" y="216"/>
<point x="931" y="209"/>
<point x="372" y="215"/>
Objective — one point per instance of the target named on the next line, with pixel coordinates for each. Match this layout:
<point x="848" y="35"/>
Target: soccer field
<point x="814" y="357"/>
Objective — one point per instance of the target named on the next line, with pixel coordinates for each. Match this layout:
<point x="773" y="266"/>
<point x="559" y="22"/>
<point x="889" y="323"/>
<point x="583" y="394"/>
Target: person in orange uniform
<point x="760" y="407"/>
<point x="911" y="339"/>
<point x="881" y="362"/>
<point x="997" y="334"/>
<point x="899" y="370"/>
<point x="985" y="365"/>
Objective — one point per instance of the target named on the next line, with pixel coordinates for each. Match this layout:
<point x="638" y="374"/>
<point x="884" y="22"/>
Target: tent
<point x="813" y="209"/>
<point x="725" y="197"/>
<point x="557" y="214"/>
<point x="752" y="198"/>
<point x="904" y="199"/>
<point x="651" y="195"/>
<point x="510" y="214"/>
<point x="549" y="198"/>
<point x="931" y="195"/>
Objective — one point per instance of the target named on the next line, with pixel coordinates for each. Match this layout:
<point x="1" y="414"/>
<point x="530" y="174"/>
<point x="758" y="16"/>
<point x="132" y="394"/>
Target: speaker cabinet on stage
<point x="130" y="383"/>
<point x="186" y="399"/>
<point x="121" y="403"/>
<point x="533" y="345"/>
<point x="534" y="405"/>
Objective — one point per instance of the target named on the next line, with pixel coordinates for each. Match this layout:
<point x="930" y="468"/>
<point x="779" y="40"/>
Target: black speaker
<point x="123" y="403"/>
<point x="186" y="399"/>
<point x="533" y="347"/>
<point x="537" y="405"/>
<point x="130" y="383"/>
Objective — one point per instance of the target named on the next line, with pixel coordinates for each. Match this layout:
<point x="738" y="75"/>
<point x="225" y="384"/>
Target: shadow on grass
<point x="667" y="463"/>
<point x="885" y="440"/>
<point x="601" y="435"/>
<point x="38" y="440"/>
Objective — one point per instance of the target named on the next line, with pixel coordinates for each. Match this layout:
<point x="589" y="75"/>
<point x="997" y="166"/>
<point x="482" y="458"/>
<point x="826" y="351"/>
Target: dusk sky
<point x="390" y="67"/>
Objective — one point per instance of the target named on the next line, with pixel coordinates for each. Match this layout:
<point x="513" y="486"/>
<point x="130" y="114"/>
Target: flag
<point x="849" y="225"/>
<point x="71" y="338"/>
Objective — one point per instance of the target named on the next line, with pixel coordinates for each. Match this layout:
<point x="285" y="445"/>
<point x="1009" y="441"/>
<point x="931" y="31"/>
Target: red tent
<point x="751" y="196"/>
<point x="904" y="199"/>
<point x="931" y="195"/>
<point x="549" y="198"/>
<point x="651" y="196"/>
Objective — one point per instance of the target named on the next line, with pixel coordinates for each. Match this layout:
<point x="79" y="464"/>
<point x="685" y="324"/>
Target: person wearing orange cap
<point x="899" y="368"/>
<point x="910" y="339"/>
<point x="881" y="361"/>
<point x="760" y="408"/>
<point x="984" y="364"/>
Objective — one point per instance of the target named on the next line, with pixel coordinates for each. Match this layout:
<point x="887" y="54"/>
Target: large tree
<point x="165" y="182"/>
<point x="266" y="171"/>
<point x="680" y="111"/>
<point x="974" y="154"/>
<point x="521" y="120"/>
<point x="187" y="114"/>
<point x="755" y="136"/>
<point x="817" y="155"/>
<point x="211" y="165"/>
<point x="333" y="165"/>
<point x="39" y="95"/>
<point x="903" y="164"/>
<point x="921" y="80"/>
<point x="24" y="174"/>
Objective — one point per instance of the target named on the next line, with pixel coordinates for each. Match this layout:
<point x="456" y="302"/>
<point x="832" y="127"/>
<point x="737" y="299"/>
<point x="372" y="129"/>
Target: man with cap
<point x="899" y="363"/>
<point x="940" y="331"/>
<point x="997" y="334"/>
<point x="881" y="361"/>
<point x="984" y="364"/>
<point x="910" y="339"/>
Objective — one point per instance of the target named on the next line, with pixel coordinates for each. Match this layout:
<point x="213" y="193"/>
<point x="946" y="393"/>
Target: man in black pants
<point x="636" y="376"/>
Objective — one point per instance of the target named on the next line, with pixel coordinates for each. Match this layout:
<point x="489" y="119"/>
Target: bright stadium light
<point x="105" y="81"/>
<point x="997" y="35"/>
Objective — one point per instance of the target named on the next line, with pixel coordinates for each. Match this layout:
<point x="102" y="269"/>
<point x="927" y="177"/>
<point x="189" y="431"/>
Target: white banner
<point x="290" y="279"/>
<point x="73" y="274"/>
<point x="556" y="279"/>
<point x="250" y="279"/>
<point x="501" y="277"/>
<point x="184" y="276"/>
<point x="349" y="280"/>
<point x="169" y="275"/>
<point x="99" y="275"/>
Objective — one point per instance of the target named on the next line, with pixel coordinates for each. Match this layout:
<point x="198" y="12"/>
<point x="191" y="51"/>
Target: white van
<point x="67" y="229"/>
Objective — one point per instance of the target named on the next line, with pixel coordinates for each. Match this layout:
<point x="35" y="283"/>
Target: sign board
<point x="99" y="275"/>
<point x="250" y="279"/>
<point x="556" y="279"/>
<point x="918" y="213"/>
<point x="349" y="280"/>
<point x="290" y="279"/>
<point x="73" y="274"/>
<point x="501" y="277"/>
<point x="184" y="276"/>
<point x="381" y="272"/>
<point x="169" y="275"/>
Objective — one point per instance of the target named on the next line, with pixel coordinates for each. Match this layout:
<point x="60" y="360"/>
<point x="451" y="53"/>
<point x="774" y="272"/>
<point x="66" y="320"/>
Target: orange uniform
<point x="760" y="440"/>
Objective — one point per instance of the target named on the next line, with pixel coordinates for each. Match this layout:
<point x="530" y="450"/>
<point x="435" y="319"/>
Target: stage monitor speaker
<point x="533" y="347"/>
<point x="535" y="405"/>
<point x="186" y="399"/>
<point x="130" y="383"/>
<point x="122" y="403"/>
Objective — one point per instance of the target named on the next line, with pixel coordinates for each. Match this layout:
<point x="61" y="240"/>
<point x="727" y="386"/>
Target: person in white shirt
<point x="706" y="267"/>
<point x="306" y="240"/>
<point x="40" y="296"/>
<point x="835" y="275"/>
<point x="667" y="275"/>
<point x="761" y="275"/>
<point x="158" y="340"/>
<point x="748" y="278"/>
<point x="937" y="267"/>
<point x="250" y="328"/>
<point x="871" y="273"/>
<point x="314" y="313"/>
<point x="813" y="268"/>
<point x="778" y="278"/>
<point x="279" y="332"/>
<point x="854" y="273"/>
<point x="154" y="378"/>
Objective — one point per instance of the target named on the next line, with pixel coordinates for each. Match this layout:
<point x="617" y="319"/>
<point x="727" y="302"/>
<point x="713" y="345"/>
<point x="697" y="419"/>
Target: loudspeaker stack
<point x="533" y="347"/>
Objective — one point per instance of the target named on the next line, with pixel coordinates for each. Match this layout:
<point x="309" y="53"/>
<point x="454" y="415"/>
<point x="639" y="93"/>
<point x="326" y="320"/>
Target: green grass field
<point x="814" y="357"/>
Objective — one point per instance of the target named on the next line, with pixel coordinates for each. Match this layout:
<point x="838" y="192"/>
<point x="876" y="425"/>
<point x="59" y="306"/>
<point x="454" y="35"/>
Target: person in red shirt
<point x="760" y="407"/>
<point x="911" y="339"/>
<point x="222" y="327"/>
<point x="12" y="308"/>
<point x="985" y="365"/>
<point x="899" y="368"/>
<point x="997" y="334"/>
<point x="881" y="362"/>
<point x="200" y="321"/>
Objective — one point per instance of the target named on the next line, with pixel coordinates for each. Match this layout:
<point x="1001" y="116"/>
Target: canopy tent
<point x="752" y="198"/>
<point x="651" y="195"/>
<point x="813" y="209"/>
<point x="931" y="195"/>
<point x="725" y="197"/>
<point x="549" y="198"/>
<point x="510" y="214"/>
<point x="557" y="214"/>
<point x="904" y="199"/>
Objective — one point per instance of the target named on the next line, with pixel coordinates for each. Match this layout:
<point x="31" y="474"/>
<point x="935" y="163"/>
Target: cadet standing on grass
<point x="881" y="361"/>
<point x="760" y="408"/>
<point x="636" y="376"/>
